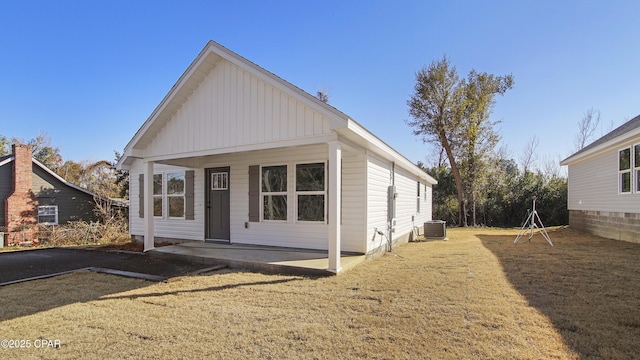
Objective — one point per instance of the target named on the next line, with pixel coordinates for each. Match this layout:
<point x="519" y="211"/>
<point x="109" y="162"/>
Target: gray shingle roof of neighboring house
<point x="620" y="130"/>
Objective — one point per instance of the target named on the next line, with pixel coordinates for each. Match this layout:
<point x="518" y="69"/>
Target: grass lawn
<point x="474" y="296"/>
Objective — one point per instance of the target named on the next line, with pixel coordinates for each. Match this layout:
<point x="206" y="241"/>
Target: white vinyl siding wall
<point x="232" y="107"/>
<point x="354" y="202"/>
<point x="178" y="228"/>
<point x="285" y="234"/>
<point x="406" y="215"/>
<point x="593" y="184"/>
<point x="378" y="179"/>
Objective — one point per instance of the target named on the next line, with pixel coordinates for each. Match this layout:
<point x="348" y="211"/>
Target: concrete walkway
<point x="258" y="258"/>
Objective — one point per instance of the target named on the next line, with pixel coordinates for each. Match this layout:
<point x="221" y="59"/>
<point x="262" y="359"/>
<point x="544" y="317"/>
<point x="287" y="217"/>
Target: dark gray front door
<point x="218" y="200"/>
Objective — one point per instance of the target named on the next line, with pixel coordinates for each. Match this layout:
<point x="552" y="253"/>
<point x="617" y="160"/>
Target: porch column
<point x="148" y="206"/>
<point x="333" y="201"/>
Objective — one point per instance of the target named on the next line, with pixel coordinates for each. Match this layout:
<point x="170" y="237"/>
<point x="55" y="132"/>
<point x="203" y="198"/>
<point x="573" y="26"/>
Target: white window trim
<point x="161" y="196"/>
<point x="285" y="193"/>
<point x="164" y="196"/>
<point x="630" y="171"/>
<point x="296" y="192"/>
<point x="635" y="174"/>
<point x="55" y="222"/>
<point x="418" y="198"/>
<point x="225" y="176"/>
<point x="167" y="195"/>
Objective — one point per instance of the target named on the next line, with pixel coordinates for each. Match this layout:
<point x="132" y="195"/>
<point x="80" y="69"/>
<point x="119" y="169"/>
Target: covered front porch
<point x="269" y="259"/>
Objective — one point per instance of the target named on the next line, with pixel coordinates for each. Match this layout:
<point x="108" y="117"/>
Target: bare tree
<point x="454" y="114"/>
<point x="551" y="167"/>
<point x="323" y="94"/>
<point x="528" y="156"/>
<point x="322" y="97"/>
<point x="586" y="128"/>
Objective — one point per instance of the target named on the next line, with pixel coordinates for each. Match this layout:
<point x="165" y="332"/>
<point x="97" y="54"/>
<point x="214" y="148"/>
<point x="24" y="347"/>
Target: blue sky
<point x="90" y="72"/>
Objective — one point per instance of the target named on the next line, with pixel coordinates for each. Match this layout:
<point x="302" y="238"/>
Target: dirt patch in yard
<point x="474" y="296"/>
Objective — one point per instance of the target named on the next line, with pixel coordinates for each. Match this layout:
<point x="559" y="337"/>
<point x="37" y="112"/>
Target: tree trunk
<point x="462" y="218"/>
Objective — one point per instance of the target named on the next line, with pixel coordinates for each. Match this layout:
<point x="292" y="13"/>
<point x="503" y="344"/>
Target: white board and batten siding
<point x="233" y="108"/>
<point x="594" y="184"/>
<point x="288" y="233"/>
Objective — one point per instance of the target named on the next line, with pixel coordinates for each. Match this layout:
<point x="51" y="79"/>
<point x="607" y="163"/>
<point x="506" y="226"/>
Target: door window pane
<point x="219" y="181"/>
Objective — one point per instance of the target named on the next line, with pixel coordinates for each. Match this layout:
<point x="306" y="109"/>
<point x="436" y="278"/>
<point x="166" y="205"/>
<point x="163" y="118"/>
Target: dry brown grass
<point x="474" y="296"/>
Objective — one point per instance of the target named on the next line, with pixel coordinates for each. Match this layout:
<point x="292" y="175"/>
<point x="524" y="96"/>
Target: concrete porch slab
<point x="258" y="258"/>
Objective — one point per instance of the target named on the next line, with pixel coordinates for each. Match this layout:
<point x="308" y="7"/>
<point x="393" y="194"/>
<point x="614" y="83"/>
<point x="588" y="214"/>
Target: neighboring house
<point x="32" y="194"/>
<point x="604" y="184"/>
<point x="234" y="153"/>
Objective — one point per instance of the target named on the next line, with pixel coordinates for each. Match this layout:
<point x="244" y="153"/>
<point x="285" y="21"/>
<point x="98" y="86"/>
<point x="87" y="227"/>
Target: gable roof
<point x="208" y="58"/>
<point x="623" y="132"/>
<point x="9" y="158"/>
<point x="212" y="54"/>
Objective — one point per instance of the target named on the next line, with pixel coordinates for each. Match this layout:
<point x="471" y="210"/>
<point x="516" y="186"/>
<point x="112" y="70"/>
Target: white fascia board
<point x="128" y="157"/>
<point x="6" y="161"/>
<point x="383" y="149"/>
<point x="168" y="99"/>
<point x="604" y="146"/>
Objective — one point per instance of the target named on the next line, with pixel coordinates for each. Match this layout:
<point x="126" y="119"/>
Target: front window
<point x="636" y="165"/>
<point x="175" y="194"/>
<point x="168" y="193"/>
<point x="157" y="194"/>
<point x="274" y="192"/>
<point x="624" y="170"/>
<point x="418" y="199"/>
<point x="48" y="214"/>
<point x="310" y="192"/>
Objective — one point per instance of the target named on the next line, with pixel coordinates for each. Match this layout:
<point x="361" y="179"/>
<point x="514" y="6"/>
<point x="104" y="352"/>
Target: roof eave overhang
<point x="362" y="136"/>
<point x="580" y="156"/>
<point x="208" y="58"/>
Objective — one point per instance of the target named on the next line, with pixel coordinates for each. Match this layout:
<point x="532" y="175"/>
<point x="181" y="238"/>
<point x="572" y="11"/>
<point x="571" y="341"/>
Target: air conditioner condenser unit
<point x="435" y="230"/>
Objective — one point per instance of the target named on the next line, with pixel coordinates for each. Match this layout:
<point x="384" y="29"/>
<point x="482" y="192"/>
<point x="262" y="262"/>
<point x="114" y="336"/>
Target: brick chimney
<point x="21" y="206"/>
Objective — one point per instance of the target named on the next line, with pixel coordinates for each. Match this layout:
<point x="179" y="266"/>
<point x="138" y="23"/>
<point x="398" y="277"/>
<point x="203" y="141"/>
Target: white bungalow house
<point x="234" y="153"/>
<point x="604" y="184"/>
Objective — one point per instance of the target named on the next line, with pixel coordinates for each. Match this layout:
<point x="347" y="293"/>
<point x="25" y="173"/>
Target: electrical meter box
<point x="391" y="203"/>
